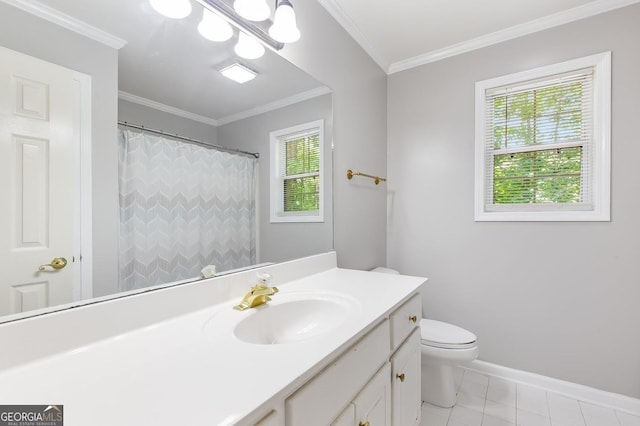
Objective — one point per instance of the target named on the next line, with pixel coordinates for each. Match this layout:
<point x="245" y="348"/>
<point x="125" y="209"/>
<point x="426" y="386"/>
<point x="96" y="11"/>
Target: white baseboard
<point x="573" y="390"/>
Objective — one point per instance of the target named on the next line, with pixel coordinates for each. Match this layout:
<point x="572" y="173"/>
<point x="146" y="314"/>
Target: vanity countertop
<point x="189" y="371"/>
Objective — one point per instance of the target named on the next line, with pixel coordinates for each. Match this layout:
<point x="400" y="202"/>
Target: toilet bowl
<point x="444" y="346"/>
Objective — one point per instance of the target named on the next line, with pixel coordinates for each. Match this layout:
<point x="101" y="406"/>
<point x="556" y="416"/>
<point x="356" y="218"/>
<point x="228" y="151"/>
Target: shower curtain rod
<point x="187" y="139"/>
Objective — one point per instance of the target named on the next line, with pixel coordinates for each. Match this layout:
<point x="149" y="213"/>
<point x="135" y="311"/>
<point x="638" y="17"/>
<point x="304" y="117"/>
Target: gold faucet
<point x="258" y="294"/>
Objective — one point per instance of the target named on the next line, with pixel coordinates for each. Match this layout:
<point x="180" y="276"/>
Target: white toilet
<point x="444" y="346"/>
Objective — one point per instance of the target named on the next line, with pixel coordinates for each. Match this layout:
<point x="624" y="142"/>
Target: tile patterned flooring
<point x="490" y="401"/>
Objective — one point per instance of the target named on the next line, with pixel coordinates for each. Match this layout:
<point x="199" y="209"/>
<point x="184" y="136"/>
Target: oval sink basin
<point x="292" y="321"/>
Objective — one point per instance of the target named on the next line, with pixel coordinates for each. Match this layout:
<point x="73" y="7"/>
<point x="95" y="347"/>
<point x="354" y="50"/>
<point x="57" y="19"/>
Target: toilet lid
<point x="443" y="335"/>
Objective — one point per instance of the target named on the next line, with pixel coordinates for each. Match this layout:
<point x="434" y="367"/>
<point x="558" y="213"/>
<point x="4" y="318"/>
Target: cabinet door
<point x="373" y="403"/>
<point x="405" y="388"/>
<point x="347" y="417"/>
<point x="270" y="419"/>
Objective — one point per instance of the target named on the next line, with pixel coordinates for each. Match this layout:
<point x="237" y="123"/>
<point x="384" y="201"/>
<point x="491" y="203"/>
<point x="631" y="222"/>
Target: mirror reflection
<point x="129" y="158"/>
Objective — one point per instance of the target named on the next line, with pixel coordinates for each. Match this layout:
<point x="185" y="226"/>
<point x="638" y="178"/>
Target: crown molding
<point x="281" y="103"/>
<point x="125" y="96"/>
<point x="352" y="29"/>
<point x="575" y="14"/>
<point x="66" y="21"/>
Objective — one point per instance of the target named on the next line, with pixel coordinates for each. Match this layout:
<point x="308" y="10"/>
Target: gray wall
<point x="160" y="120"/>
<point x="285" y="241"/>
<point x="330" y="55"/>
<point x="559" y="299"/>
<point x="28" y="34"/>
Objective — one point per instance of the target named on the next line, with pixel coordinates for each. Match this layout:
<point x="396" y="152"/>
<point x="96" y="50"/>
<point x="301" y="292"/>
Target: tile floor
<point x="490" y="401"/>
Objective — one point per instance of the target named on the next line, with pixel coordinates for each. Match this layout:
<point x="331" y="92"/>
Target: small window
<point x="297" y="173"/>
<point x="543" y="143"/>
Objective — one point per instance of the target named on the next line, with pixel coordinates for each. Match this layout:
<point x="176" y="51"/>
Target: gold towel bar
<point x="376" y="179"/>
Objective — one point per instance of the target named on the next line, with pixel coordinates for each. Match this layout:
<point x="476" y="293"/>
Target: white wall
<point x="285" y="241"/>
<point x="329" y="54"/>
<point x="559" y="299"/>
<point x="30" y="35"/>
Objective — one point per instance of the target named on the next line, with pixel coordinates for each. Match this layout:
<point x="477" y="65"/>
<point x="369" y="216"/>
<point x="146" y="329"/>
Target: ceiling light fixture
<point x="253" y="10"/>
<point x="248" y="47"/>
<point x="238" y="73"/>
<point x="284" y="28"/>
<point x="176" y="9"/>
<point x="213" y="27"/>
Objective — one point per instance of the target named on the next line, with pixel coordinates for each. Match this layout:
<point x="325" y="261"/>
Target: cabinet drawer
<point x="405" y="319"/>
<point x="323" y="398"/>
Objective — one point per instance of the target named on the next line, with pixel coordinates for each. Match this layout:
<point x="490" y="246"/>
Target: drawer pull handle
<point x="413" y="319"/>
<point x="364" y="424"/>
<point x="400" y="376"/>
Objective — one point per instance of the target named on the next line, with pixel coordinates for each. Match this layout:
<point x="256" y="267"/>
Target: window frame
<point x="600" y="148"/>
<point x="277" y="137"/>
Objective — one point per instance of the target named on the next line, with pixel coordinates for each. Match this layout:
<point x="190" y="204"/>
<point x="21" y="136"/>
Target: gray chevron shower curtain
<point x="182" y="207"/>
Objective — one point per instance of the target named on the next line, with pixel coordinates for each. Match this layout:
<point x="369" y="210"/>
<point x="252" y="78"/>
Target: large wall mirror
<point x="163" y="89"/>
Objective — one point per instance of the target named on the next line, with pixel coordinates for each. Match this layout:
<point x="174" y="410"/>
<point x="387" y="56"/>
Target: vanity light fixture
<point x="238" y="73"/>
<point x="213" y="27"/>
<point x="284" y="28"/>
<point x="253" y="10"/>
<point x="175" y="9"/>
<point x="219" y="17"/>
<point x="248" y="47"/>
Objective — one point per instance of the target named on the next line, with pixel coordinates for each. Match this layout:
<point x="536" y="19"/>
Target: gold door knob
<point x="56" y="263"/>
<point x="413" y="319"/>
<point x="364" y="424"/>
<point x="400" y="376"/>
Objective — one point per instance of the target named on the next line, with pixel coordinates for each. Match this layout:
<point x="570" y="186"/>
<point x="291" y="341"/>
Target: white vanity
<point x="332" y="347"/>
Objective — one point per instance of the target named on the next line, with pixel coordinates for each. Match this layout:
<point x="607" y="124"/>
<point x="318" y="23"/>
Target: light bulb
<point x="284" y="28"/>
<point x="253" y="10"/>
<point x="175" y="9"/>
<point x="213" y="27"/>
<point x="248" y="47"/>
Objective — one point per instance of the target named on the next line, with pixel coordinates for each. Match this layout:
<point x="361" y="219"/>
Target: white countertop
<point x="179" y="372"/>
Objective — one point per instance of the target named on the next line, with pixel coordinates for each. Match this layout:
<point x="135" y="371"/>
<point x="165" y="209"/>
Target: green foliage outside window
<point x="302" y="174"/>
<point x="537" y="118"/>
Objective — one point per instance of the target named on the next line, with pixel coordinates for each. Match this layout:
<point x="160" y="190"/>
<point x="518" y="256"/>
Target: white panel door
<point x="37" y="169"/>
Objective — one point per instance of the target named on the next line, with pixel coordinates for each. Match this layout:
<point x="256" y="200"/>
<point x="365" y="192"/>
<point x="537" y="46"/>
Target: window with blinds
<point x="296" y="190"/>
<point x="300" y="172"/>
<point x="536" y="143"/>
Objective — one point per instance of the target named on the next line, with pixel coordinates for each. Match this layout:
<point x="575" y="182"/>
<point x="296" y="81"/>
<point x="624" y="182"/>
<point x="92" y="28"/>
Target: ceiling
<point x="403" y="34"/>
<point x="168" y="63"/>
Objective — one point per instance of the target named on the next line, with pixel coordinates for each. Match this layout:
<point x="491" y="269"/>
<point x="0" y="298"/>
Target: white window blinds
<point x="297" y="173"/>
<point x="539" y="142"/>
<point x="300" y="172"/>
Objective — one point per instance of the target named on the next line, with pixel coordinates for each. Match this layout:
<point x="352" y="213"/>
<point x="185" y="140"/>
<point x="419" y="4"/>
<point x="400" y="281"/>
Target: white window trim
<point x="601" y="145"/>
<point x="276" y="193"/>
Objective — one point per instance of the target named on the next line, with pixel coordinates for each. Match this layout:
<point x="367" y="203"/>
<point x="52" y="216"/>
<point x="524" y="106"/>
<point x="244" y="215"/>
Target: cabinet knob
<point x="413" y="319"/>
<point x="400" y="376"/>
